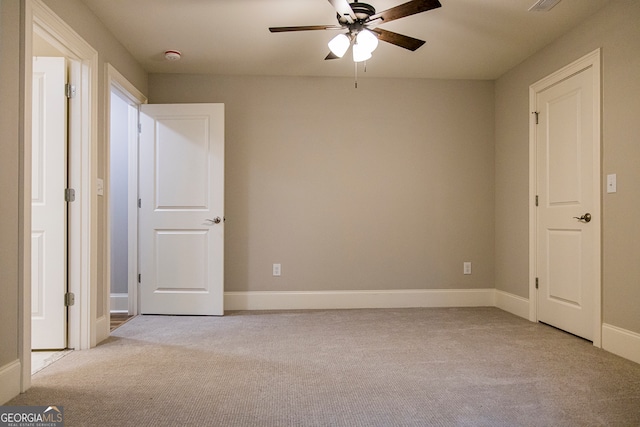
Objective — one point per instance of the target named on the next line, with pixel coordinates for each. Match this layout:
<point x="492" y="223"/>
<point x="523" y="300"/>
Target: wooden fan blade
<point x="406" y="9"/>
<point x="344" y="9"/>
<point x="304" y="28"/>
<point x="398" y="39"/>
<point x="331" y="55"/>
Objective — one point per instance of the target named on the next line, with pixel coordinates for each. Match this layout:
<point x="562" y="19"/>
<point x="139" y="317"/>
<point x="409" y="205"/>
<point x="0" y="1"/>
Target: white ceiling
<point x="466" y="39"/>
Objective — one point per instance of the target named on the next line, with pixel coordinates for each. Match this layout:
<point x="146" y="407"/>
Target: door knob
<point x="215" y="220"/>
<point x="586" y="217"/>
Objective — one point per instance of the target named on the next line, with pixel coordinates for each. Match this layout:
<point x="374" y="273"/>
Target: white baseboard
<point x="513" y="304"/>
<point x="119" y="303"/>
<point x="622" y="342"/>
<point x="9" y="381"/>
<point x="284" y="300"/>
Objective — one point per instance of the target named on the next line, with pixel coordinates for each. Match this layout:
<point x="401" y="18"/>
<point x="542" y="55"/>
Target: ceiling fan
<point x="361" y="21"/>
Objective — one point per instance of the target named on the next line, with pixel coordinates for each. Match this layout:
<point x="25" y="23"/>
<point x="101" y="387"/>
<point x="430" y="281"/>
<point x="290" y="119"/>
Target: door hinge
<point x="537" y="113"/>
<point x="69" y="90"/>
<point x="139" y="203"/>
<point x="139" y="127"/>
<point x="536" y="283"/>
<point x="139" y="278"/>
<point x="69" y="299"/>
<point x="69" y="195"/>
<point x="536" y="200"/>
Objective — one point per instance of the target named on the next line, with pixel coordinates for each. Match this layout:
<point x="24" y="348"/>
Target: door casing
<point x="590" y="60"/>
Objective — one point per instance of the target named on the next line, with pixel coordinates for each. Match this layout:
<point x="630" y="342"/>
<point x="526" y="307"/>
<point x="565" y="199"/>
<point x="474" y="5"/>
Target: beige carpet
<point x="405" y="367"/>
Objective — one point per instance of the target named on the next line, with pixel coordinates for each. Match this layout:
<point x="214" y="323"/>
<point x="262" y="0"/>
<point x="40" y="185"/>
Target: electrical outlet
<point x="466" y="267"/>
<point x="611" y="183"/>
<point x="277" y="270"/>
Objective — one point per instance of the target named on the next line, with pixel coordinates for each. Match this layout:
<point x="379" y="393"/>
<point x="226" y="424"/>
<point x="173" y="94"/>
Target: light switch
<point x="466" y="268"/>
<point x="100" y="187"/>
<point x="611" y="183"/>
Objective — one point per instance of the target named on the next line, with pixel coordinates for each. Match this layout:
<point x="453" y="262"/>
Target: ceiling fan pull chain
<point x="356" y="74"/>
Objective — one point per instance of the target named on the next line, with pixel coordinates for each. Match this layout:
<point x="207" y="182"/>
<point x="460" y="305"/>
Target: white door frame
<point x="590" y="60"/>
<point x="117" y="82"/>
<point x="82" y="328"/>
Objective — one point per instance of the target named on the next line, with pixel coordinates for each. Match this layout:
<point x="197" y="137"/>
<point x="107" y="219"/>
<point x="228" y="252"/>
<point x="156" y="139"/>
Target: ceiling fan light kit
<point x="365" y="43"/>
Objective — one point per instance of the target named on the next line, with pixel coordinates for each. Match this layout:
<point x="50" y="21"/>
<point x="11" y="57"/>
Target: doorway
<point x="124" y="105"/>
<point x="83" y="329"/>
<point x="565" y="220"/>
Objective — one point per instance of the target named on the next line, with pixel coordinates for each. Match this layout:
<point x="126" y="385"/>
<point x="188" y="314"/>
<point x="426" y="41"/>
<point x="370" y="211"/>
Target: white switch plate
<point x="100" y="187"/>
<point x="467" y="268"/>
<point x="611" y="183"/>
<point x="277" y="270"/>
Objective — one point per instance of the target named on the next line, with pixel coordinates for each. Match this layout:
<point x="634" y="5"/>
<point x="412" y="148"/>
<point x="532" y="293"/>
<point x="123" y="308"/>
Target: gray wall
<point x="616" y="30"/>
<point x="389" y="186"/>
<point x="9" y="181"/>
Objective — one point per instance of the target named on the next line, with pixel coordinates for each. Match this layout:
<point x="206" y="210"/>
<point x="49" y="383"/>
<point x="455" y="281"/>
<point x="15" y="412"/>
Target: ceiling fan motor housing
<point x="362" y="11"/>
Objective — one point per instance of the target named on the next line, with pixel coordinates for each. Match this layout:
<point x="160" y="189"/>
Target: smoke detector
<point x="543" y="5"/>
<point x="172" y="55"/>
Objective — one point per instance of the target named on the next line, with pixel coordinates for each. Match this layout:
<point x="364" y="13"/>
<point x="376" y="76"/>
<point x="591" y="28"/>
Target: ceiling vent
<point x="543" y="5"/>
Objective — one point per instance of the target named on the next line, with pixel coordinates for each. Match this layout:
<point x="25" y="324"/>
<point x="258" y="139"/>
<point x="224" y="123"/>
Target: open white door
<point x="48" y="206"/>
<point x="182" y="209"/>
<point x="568" y="212"/>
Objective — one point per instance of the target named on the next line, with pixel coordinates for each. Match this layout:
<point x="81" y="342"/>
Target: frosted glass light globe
<point x="367" y="40"/>
<point x="360" y="53"/>
<point x="339" y="45"/>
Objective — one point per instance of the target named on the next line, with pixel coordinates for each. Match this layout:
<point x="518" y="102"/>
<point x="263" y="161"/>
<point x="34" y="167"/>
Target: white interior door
<point x="568" y="213"/>
<point x="182" y="209"/>
<point x="49" y="223"/>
